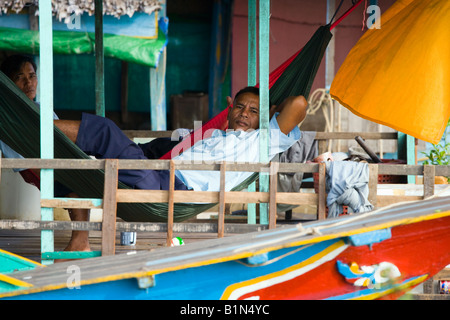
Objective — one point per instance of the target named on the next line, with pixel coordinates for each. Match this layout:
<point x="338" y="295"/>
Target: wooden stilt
<point x="321" y="204"/>
<point x="373" y="182"/>
<point x="429" y="172"/>
<point x="221" y="219"/>
<point x="110" y="207"/>
<point x="170" y="204"/>
<point x="273" y="170"/>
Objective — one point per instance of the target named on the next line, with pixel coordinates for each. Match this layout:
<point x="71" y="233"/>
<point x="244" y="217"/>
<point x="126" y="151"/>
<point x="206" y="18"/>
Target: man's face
<point x="245" y="112"/>
<point x="26" y="80"/>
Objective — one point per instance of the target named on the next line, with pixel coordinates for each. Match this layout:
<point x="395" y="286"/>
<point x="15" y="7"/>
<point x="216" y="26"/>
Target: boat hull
<point x="308" y="271"/>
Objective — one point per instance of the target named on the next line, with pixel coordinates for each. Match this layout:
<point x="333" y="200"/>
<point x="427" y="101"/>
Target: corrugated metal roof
<point x="64" y="8"/>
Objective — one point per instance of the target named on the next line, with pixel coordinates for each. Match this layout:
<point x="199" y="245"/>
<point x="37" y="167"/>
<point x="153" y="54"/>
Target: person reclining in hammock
<point x="21" y="69"/>
<point x="100" y="137"/>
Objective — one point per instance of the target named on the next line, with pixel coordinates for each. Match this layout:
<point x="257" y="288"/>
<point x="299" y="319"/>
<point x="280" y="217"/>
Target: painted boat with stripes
<point x="376" y="255"/>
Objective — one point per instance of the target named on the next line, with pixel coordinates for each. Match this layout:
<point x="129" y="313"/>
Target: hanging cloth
<point x="399" y="75"/>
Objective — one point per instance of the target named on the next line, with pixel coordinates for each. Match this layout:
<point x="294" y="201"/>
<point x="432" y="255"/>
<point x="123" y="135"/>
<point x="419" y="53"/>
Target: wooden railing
<point x="321" y="137"/>
<point x="112" y="195"/>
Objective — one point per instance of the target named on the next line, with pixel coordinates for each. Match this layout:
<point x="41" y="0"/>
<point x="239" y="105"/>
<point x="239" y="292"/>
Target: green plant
<point x="438" y="155"/>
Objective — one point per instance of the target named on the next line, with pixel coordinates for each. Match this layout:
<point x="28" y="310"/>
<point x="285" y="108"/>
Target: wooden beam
<point x="110" y="207"/>
<point x="157" y="77"/>
<point x="264" y="100"/>
<point x="67" y="203"/>
<point x="373" y="182"/>
<point x="46" y="116"/>
<point x="162" y="196"/>
<point x="329" y="52"/>
<point x="406" y="151"/>
<point x="221" y="219"/>
<point x="170" y="204"/>
<point x="319" y="135"/>
<point x="49" y="225"/>
<point x="251" y="70"/>
<point x="99" y="61"/>
<point x="147" y="134"/>
<point x="429" y="173"/>
<point x="54" y="163"/>
<point x="195" y="227"/>
<point x="124" y="92"/>
<point x="251" y="81"/>
<point x="352" y="135"/>
<point x="273" y="194"/>
<point x="322" y="198"/>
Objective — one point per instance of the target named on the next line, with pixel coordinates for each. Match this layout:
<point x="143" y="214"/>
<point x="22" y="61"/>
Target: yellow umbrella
<point x="399" y="75"/>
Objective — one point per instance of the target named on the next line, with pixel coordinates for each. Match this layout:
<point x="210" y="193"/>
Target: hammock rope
<point x="320" y="99"/>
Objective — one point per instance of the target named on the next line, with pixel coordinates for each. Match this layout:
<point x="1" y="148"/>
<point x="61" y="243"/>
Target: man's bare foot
<point x="78" y="242"/>
<point x="80" y="239"/>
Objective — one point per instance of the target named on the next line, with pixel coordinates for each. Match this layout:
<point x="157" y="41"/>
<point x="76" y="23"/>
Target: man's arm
<point x="292" y="111"/>
<point x="69" y="128"/>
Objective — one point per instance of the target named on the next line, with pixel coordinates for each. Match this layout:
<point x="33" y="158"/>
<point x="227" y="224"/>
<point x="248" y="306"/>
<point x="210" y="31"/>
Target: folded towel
<point x="347" y="184"/>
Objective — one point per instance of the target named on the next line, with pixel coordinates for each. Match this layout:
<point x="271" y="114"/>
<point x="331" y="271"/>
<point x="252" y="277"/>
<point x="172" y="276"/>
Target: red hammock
<point x="31" y="178"/>
<point x="220" y="120"/>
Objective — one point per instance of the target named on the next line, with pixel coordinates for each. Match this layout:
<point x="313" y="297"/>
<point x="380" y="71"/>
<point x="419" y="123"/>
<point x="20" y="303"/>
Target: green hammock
<point x="20" y="121"/>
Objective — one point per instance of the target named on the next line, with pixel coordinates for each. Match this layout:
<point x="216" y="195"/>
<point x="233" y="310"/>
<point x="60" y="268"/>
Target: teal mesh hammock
<point x="20" y="121"/>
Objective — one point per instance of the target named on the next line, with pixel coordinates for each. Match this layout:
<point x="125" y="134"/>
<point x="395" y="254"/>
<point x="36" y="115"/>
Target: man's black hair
<point x="254" y="90"/>
<point x="13" y="63"/>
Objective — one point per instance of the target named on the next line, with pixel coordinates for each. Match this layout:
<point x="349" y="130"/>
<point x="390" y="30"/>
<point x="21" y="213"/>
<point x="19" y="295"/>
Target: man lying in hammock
<point x="100" y="137"/>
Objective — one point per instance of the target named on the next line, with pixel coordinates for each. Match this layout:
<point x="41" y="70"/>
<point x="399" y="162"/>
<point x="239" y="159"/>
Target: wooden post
<point x="170" y="204"/>
<point x="373" y="183"/>
<point x="251" y="72"/>
<point x="429" y="172"/>
<point x="158" y="112"/>
<point x="273" y="194"/>
<point x="221" y="218"/>
<point x="264" y="31"/>
<point x="321" y="199"/>
<point x="251" y="81"/>
<point x="124" y="92"/>
<point x="46" y="117"/>
<point x="406" y="151"/>
<point x="110" y="207"/>
<point x="99" y="60"/>
<point x="330" y="69"/>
